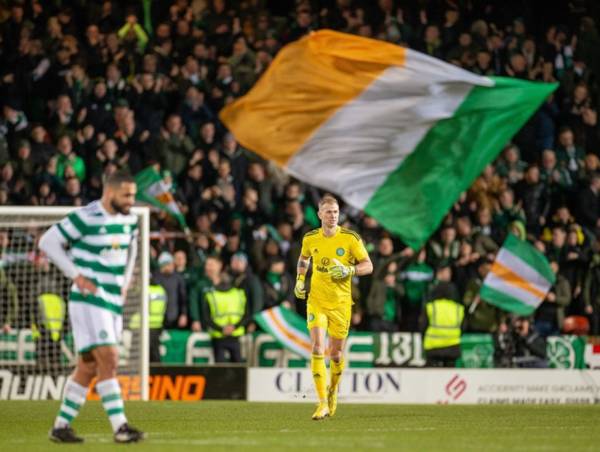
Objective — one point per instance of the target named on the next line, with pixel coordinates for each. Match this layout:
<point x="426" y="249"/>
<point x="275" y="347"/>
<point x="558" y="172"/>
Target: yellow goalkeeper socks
<point x="319" y="371"/>
<point x="336" y="369"/>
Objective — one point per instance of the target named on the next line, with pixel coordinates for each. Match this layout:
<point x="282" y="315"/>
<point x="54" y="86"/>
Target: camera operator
<point x="519" y="345"/>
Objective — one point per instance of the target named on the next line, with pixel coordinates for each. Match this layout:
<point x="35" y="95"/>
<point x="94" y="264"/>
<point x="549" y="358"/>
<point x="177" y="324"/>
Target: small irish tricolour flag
<point x="287" y="327"/>
<point x="152" y="189"/>
<point x="392" y="131"/>
<point x="519" y="279"/>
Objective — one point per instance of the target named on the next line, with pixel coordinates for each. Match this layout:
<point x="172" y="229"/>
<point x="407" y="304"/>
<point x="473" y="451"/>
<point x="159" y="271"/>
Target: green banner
<point x="566" y="352"/>
<point x="363" y="350"/>
<point x="477" y="351"/>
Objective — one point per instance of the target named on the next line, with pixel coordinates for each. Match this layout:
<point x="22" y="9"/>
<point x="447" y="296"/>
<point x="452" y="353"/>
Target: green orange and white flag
<point x="519" y="279"/>
<point x="287" y="327"/>
<point x="392" y="131"/>
<point x="152" y="189"/>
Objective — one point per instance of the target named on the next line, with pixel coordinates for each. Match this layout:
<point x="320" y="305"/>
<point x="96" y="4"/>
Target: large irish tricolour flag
<point x="392" y="131"/>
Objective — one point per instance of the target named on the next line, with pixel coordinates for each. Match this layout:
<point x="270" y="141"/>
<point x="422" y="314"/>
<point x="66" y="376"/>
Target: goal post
<point x="36" y="348"/>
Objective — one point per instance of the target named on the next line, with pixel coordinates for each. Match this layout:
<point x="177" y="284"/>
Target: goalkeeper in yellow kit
<point x="337" y="254"/>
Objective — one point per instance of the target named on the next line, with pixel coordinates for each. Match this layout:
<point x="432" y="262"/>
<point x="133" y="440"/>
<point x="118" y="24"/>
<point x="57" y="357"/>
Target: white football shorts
<point x="94" y="326"/>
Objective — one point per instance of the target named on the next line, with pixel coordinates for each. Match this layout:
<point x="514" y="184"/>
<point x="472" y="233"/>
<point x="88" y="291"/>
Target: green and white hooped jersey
<point x="100" y="246"/>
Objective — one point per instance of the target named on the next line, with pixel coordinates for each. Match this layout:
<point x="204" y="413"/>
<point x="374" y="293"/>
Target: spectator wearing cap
<point x="245" y="279"/>
<point x="176" y="315"/>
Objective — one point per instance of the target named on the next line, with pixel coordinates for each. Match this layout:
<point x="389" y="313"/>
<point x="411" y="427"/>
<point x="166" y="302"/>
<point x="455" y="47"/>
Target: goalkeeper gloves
<point x="300" y="290"/>
<point x="341" y="271"/>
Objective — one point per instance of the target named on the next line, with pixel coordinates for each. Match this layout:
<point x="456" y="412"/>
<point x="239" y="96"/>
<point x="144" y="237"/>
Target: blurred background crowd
<point x="87" y="87"/>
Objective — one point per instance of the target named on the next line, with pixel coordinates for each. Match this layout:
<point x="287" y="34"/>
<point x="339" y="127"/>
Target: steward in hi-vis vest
<point x="227" y="314"/>
<point x="157" y="305"/>
<point x="444" y="316"/>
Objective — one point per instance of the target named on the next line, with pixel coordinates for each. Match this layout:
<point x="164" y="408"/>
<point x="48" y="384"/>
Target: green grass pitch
<point x="267" y="426"/>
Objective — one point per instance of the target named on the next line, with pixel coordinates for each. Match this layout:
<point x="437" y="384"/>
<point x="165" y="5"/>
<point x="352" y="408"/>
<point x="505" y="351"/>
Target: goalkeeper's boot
<point x="128" y="434"/>
<point x="332" y="394"/>
<point x="64" y="435"/>
<point x="321" y="412"/>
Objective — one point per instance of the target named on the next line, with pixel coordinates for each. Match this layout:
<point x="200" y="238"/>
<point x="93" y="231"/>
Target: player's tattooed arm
<point x="302" y="267"/>
<point x="299" y="289"/>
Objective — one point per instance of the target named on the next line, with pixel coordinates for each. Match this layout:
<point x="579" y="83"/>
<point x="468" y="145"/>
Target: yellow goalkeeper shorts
<point x="335" y="321"/>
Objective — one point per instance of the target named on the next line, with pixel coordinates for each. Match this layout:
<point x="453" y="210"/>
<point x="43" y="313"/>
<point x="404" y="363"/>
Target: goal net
<point x="36" y="342"/>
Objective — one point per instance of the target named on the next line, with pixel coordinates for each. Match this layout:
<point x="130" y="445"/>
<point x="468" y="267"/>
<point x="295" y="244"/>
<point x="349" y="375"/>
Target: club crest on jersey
<point x="340" y="251"/>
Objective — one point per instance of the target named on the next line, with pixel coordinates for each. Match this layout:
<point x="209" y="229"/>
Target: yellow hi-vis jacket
<point x="157" y="306"/>
<point x="445" y="318"/>
<point x="51" y="310"/>
<point x="226" y="308"/>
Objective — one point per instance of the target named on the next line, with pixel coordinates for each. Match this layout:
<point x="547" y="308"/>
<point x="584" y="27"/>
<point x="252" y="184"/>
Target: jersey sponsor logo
<point x="127" y="229"/>
<point x="340" y="251"/>
<point x="111" y="253"/>
<point x="102" y="230"/>
<point x="325" y="261"/>
<point x="322" y="269"/>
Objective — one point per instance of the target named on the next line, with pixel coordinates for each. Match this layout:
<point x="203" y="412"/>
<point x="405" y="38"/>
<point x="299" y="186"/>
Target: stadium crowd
<point x="88" y="87"/>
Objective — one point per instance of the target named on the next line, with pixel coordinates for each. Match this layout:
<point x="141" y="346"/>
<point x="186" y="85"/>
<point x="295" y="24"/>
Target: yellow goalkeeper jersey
<point x="347" y="247"/>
